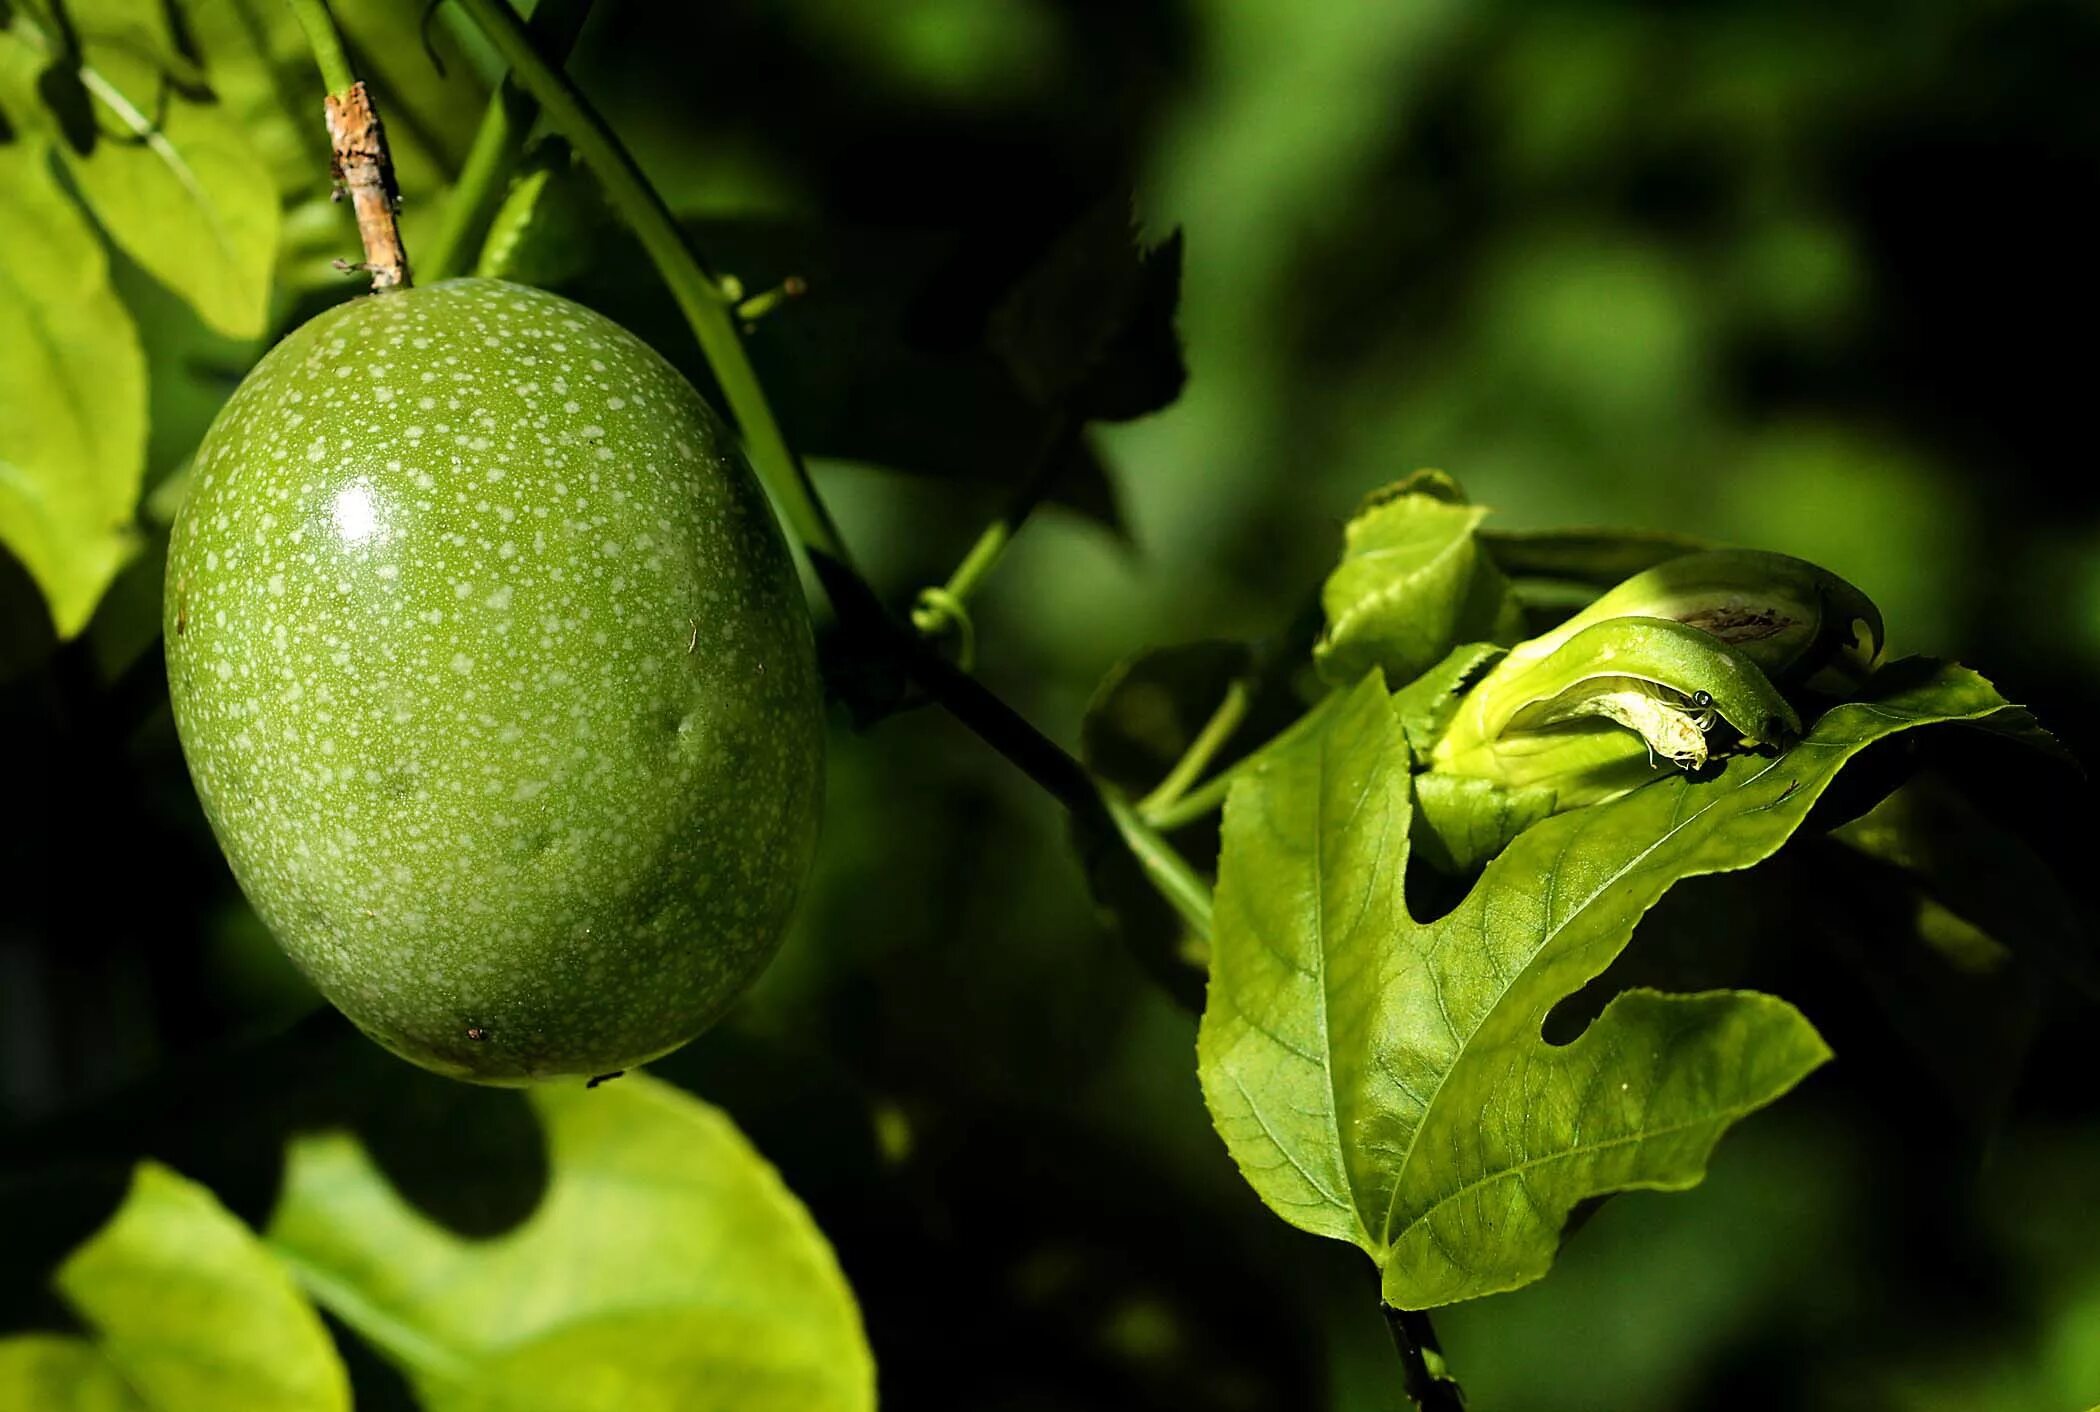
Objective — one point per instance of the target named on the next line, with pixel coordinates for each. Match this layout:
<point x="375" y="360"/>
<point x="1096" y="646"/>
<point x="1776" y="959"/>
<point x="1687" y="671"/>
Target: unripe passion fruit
<point x="496" y="681"/>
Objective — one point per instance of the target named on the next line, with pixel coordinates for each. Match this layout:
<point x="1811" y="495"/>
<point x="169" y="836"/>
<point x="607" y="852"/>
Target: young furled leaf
<point x="1385" y="1081"/>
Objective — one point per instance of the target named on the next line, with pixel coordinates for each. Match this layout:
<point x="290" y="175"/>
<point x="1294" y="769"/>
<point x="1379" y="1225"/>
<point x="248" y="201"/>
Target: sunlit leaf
<point x="174" y="180"/>
<point x="666" y="1267"/>
<point x="72" y="393"/>
<point x="262" y="72"/>
<point x="1412" y="585"/>
<point x="187" y="1312"/>
<point x="1384" y="1081"/>
<point x="48" y="1373"/>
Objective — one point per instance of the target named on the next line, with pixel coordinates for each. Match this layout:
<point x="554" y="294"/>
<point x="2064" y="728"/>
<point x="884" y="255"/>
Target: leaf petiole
<point x="1210" y="795"/>
<point x="1202" y="750"/>
<point x="940" y="608"/>
<point x="1163" y="865"/>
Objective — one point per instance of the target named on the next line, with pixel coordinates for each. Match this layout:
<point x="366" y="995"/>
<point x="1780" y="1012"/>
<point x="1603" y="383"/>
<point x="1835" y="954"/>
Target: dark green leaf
<point x="1090" y="330"/>
<point x="893" y="323"/>
<point x="1598" y="557"/>
<point x="1149" y="708"/>
<point x="1980" y="874"/>
<point x="1385" y="1082"/>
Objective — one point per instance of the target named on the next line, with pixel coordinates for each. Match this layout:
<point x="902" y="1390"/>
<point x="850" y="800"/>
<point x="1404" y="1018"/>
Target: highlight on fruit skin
<point x="496" y="681"/>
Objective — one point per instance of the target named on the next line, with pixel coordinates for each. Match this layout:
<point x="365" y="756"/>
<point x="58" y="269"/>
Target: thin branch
<point x="1427" y="1384"/>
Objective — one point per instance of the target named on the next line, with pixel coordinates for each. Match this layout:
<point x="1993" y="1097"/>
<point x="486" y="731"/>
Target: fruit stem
<point x="493" y="158"/>
<point x="321" y="37"/>
<point x="361" y="163"/>
<point x="707" y="307"/>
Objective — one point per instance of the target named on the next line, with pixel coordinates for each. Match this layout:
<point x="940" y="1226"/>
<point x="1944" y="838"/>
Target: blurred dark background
<point x="1804" y="276"/>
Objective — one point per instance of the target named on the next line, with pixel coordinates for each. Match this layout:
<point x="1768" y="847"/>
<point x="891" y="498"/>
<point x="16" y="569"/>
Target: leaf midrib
<point x="1722" y="1116"/>
<point x="157" y="142"/>
<point x="1551" y="934"/>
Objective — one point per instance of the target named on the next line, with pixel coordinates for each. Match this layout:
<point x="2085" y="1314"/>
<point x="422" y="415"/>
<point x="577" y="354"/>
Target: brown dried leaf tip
<point x="362" y="167"/>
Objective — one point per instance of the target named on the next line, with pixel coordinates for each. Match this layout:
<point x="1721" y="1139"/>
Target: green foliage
<point x="172" y="179"/>
<point x="187" y="1312"/>
<point x="1383" y="1081"/>
<point x="72" y="392"/>
<point x="666" y="1267"/>
<point x="1632" y="347"/>
<point x="54" y="1374"/>
<point x="1412" y="584"/>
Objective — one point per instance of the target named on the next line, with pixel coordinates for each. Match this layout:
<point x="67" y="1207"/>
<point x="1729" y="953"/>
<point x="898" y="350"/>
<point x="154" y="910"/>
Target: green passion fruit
<point x="496" y="681"/>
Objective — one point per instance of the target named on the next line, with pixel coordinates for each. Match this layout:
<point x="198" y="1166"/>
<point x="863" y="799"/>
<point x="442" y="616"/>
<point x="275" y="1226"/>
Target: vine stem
<point x="1168" y="871"/>
<point x="327" y="45"/>
<point x="1427" y="1383"/>
<point x="511" y="111"/>
<point x="700" y="296"/>
<point x="711" y="311"/>
<point x="1173" y="812"/>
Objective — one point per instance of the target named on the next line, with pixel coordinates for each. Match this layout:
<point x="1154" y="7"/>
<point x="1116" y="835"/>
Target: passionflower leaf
<point x="1413" y="583"/>
<point x="1385" y="1081"/>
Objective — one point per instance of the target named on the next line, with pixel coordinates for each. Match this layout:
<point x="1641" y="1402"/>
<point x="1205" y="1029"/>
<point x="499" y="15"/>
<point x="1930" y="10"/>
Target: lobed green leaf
<point x="174" y="180"/>
<point x="666" y="1267"/>
<point x="1385" y="1081"/>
